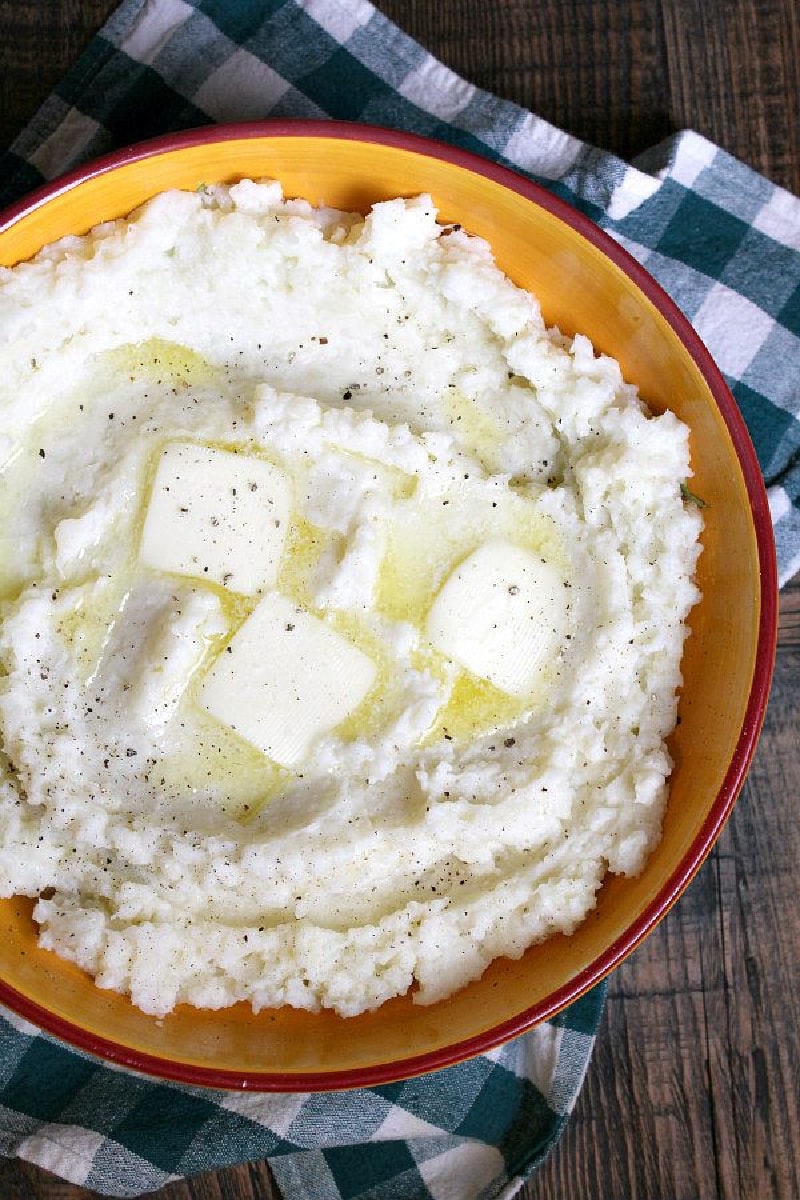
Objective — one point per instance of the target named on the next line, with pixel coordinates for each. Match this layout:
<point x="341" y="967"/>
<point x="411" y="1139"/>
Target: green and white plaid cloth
<point x="722" y="240"/>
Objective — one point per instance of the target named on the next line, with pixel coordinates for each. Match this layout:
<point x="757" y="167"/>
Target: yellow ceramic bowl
<point x="586" y="283"/>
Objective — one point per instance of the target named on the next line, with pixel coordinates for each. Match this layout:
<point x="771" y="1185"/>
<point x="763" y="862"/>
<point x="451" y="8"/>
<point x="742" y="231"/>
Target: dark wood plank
<point x="247" y="1181"/>
<point x="692" y="1090"/>
<point x="38" y="44"/>
<point x="623" y="76"/>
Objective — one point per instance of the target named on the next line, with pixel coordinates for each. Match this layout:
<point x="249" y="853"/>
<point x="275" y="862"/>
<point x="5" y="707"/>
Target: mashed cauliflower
<point x="342" y="605"/>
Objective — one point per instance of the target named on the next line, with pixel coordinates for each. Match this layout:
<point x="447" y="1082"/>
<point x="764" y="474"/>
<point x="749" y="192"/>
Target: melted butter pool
<point x="163" y="362"/>
<point x="427" y="536"/>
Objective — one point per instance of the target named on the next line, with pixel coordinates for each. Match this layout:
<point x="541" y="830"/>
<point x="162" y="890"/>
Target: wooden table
<point x="693" y="1088"/>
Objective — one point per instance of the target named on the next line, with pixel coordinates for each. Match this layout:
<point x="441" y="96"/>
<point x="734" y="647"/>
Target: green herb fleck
<point x="691" y="498"/>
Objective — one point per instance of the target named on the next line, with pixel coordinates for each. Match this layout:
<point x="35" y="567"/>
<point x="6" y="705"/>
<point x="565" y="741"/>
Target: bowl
<point x="585" y="282"/>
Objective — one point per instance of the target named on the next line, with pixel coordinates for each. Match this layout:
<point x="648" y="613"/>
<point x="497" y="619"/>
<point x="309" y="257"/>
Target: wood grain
<point x="692" y="1091"/>
<point x="38" y="44"/>
<point x="625" y="75"/>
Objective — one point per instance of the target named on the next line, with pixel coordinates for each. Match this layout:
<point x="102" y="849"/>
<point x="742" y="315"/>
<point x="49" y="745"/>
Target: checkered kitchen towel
<point x="721" y="239"/>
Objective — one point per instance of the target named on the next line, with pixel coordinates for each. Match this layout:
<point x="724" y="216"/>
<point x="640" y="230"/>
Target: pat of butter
<point x="502" y="614"/>
<point x="285" y="678"/>
<point x="218" y="516"/>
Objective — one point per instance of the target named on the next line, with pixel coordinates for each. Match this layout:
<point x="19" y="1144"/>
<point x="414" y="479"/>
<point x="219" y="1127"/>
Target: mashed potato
<point x="342" y="605"/>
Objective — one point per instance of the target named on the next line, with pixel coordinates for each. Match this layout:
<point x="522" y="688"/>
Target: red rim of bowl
<point x="764" y="660"/>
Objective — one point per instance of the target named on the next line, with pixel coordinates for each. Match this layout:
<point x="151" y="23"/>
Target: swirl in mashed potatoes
<point x="343" y="605"/>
